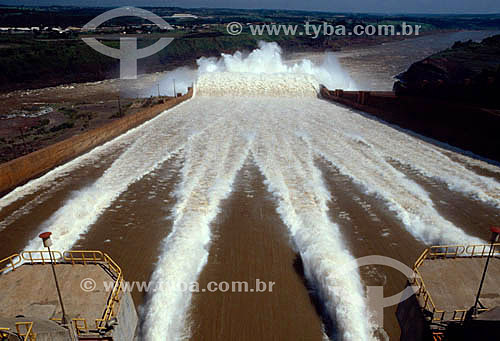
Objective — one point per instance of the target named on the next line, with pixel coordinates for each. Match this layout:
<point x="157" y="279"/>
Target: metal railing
<point x="454" y="251"/>
<point x="5" y="334"/>
<point x="83" y="257"/>
<point x="42" y="257"/>
<point x="10" y="263"/>
<point x="424" y="295"/>
<point x="117" y="289"/>
<point x="27" y="334"/>
<point x="74" y="257"/>
<point x="447" y="252"/>
<point x="81" y="326"/>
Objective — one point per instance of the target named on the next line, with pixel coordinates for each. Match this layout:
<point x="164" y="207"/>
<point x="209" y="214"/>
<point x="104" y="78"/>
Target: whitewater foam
<point x="340" y="144"/>
<point x="264" y="72"/>
<point x="258" y="85"/>
<point x="154" y="146"/>
<point x="422" y="156"/>
<point x="287" y="164"/>
<point x="269" y="110"/>
<point x="212" y="160"/>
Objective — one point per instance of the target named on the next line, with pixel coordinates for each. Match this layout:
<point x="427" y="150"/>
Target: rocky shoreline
<point x="468" y="72"/>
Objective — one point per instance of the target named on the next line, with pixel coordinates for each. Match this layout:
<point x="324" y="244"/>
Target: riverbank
<point x="22" y="169"/>
<point x="27" y="63"/>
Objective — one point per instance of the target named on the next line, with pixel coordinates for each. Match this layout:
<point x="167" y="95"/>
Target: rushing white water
<point x="213" y="159"/>
<point x="288" y="165"/>
<point x="259" y="73"/>
<point x="153" y="146"/>
<point x="407" y="199"/>
<point x="50" y="179"/>
<point x="390" y="143"/>
<point x="257" y="107"/>
<point x="268" y="60"/>
<point x="248" y="84"/>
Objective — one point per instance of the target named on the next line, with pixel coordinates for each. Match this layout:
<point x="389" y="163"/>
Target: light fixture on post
<point x="495" y="233"/>
<point x="47" y="242"/>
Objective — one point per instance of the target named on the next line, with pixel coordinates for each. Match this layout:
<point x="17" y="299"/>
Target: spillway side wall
<point x="27" y="167"/>
<point x="412" y="322"/>
<point x="460" y="125"/>
<point x="127" y="320"/>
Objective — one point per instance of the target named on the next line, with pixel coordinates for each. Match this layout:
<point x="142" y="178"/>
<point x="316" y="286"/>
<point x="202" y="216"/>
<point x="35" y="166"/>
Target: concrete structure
<point x="447" y="280"/>
<point x="91" y="290"/>
<point x="184" y="16"/>
<point x="27" y="167"/>
<point x="461" y="125"/>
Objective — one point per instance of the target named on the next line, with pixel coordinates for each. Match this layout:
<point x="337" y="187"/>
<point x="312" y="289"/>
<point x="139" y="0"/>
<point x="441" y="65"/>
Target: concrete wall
<point x="460" y="125"/>
<point x="412" y="322"/>
<point x="127" y="319"/>
<point x="22" y="169"/>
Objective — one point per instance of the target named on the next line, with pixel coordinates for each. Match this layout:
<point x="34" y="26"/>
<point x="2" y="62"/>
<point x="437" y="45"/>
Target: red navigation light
<point x="495" y="229"/>
<point x="46" y="239"/>
<point x="45" y="235"/>
<point x="495" y="232"/>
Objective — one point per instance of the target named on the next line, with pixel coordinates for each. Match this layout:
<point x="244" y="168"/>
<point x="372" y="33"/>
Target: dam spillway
<point x="236" y="185"/>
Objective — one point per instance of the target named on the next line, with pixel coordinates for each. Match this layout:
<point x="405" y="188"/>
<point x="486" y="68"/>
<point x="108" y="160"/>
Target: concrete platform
<point x="30" y="291"/>
<point x="453" y="283"/>
<point x="447" y="284"/>
<point x="87" y="279"/>
<point x="45" y="330"/>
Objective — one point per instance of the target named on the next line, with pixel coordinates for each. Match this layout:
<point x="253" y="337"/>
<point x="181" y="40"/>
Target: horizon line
<point x="258" y="9"/>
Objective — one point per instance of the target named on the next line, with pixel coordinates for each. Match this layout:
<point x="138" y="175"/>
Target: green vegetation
<point x="46" y="57"/>
<point x="65" y="125"/>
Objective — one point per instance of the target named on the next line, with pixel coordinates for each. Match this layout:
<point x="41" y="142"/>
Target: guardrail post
<point x="494" y="238"/>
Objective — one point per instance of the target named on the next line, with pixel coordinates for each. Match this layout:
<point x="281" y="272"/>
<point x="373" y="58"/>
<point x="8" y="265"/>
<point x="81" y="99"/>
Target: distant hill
<point x="469" y="72"/>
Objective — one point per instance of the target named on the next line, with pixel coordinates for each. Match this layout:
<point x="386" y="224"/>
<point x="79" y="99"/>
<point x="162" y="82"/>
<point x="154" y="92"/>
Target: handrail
<point x="113" y="266"/>
<point x="421" y="259"/>
<point x="80" y="329"/>
<point x="29" y="335"/>
<point x="12" y="261"/>
<point x="454" y="251"/>
<point x="41" y="256"/>
<point x="449" y="251"/>
<point x="446" y="252"/>
<point x="486" y="249"/>
<point x="422" y="290"/>
<point x="75" y="257"/>
<point x="117" y="289"/>
<point x="5" y="334"/>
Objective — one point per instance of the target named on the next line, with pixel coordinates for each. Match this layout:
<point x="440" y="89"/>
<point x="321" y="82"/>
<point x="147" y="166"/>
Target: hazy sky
<point x="386" y="6"/>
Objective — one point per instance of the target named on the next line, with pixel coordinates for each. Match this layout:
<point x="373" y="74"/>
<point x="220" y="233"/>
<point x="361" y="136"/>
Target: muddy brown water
<point x="250" y="240"/>
<point x="251" y="243"/>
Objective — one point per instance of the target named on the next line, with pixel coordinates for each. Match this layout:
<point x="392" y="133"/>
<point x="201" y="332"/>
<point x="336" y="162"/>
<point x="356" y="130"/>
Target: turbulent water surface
<point x="258" y="178"/>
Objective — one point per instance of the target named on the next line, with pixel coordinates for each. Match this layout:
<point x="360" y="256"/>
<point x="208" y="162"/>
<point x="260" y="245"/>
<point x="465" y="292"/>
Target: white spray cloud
<point x="268" y="62"/>
<point x="262" y="72"/>
<point x="175" y="81"/>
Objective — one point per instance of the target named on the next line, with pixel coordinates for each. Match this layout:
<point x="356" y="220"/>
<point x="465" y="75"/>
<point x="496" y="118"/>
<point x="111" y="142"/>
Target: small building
<point x="184" y="16"/>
